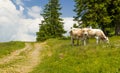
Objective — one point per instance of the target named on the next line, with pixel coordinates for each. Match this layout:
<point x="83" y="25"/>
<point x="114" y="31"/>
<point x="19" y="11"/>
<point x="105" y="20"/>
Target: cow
<point x="85" y="35"/>
<point x="97" y="33"/>
<point x="76" y="34"/>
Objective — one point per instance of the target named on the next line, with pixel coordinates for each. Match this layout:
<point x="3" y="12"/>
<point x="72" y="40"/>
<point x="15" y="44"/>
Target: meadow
<point x="59" y="56"/>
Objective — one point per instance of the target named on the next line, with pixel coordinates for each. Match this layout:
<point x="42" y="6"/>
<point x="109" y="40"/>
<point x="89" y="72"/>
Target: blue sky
<point x="67" y="6"/>
<point x="19" y="19"/>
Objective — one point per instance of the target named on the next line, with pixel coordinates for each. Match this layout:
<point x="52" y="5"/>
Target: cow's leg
<point x="77" y="41"/>
<point x="81" y="41"/>
<point x="85" y="41"/>
<point x="72" y="41"/>
<point x="97" y="40"/>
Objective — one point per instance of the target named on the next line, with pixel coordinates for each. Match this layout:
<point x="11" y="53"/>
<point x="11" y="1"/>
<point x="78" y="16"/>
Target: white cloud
<point x="21" y="9"/>
<point x="34" y="12"/>
<point x="13" y="25"/>
<point x="27" y="30"/>
<point x="19" y="2"/>
<point x="68" y="23"/>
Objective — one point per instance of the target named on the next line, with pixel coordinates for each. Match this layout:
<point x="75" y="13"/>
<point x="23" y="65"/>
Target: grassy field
<point x="60" y="57"/>
<point x="8" y="47"/>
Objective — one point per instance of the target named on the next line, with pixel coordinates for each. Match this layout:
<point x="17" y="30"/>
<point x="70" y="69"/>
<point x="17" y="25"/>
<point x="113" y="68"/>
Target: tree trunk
<point x="117" y="29"/>
<point x="117" y="25"/>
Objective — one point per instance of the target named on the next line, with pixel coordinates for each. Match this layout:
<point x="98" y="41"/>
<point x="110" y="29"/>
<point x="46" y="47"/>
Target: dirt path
<point x="21" y="61"/>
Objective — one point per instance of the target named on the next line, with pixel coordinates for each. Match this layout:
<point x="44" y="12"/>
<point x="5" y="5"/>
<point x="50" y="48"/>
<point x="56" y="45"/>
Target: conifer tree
<point x="102" y="14"/>
<point x="52" y="25"/>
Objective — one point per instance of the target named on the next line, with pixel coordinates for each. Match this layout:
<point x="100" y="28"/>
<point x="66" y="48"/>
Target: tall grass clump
<point x="61" y="57"/>
<point x="8" y="47"/>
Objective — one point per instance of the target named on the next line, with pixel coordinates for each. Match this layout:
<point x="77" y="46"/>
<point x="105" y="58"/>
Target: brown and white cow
<point x="76" y="34"/>
<point x="97" y="33"/>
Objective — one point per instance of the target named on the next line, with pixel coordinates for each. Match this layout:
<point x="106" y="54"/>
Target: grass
<point x="8" y="47"/>
<point x="61" y="57"/>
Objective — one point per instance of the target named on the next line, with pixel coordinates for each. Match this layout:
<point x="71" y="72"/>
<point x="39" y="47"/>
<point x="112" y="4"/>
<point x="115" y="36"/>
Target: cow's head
<point x="85" y="31"/>
<point x="107" y="40"/>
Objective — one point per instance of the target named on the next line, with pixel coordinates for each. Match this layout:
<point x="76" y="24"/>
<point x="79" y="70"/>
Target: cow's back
<point x="97" y="32"/>
<point x="76" y="32"/>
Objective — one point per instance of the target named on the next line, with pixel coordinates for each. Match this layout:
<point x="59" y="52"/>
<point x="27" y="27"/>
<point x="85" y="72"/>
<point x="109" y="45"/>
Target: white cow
<point x="97" y="33"/>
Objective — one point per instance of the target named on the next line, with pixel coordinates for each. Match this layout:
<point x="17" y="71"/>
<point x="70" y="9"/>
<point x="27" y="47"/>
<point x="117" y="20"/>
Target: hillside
<point x="61" y="57"/>
<point x="58" y="56"/>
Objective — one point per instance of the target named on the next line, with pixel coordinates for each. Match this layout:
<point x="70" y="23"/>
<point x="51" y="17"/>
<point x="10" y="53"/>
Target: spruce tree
<point x="52" y="25"/>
